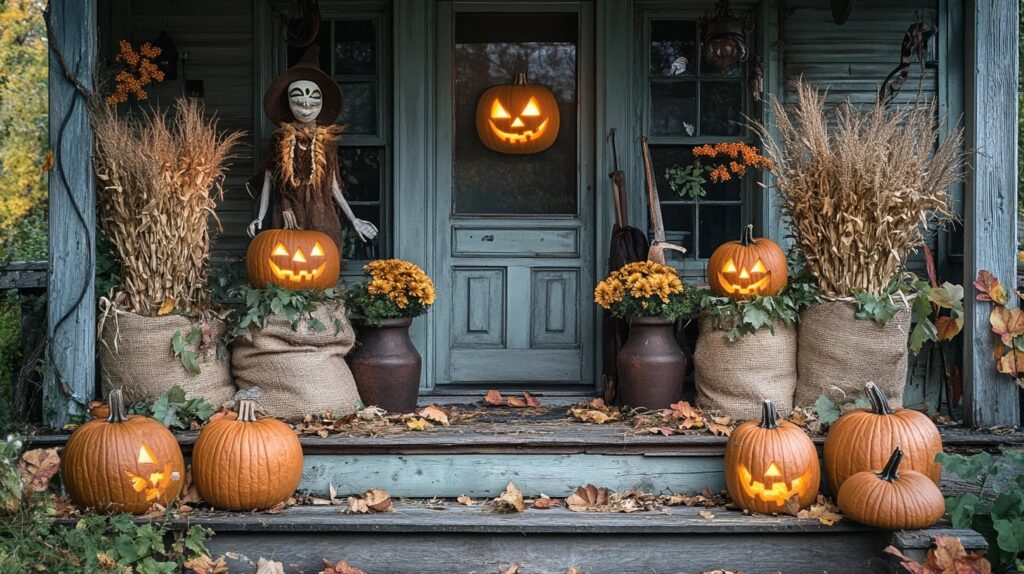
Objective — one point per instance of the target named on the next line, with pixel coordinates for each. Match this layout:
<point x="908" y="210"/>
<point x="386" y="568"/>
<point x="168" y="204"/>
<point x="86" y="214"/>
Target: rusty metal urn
<point x="651" y="365"/>
<point x="386" y="366"/>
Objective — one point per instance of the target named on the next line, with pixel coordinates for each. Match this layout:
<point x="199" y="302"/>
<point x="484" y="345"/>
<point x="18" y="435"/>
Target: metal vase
<point x="652" y="367"/>
<point x="386" y="366"/>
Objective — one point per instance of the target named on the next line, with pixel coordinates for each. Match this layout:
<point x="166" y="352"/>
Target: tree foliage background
<point x="23" y="144"/>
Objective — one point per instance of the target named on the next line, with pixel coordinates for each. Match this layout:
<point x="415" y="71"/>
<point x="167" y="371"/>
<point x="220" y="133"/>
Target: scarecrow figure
<point x="302" y="163"/>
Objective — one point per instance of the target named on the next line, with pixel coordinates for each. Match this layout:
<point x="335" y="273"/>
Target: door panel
<point x="515" y="232"/>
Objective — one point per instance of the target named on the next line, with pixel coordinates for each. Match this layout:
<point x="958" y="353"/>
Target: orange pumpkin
<point x="517" y="118"/>
<point x="125" y="463"/>
<point x="892" y="498"/>
<point x="863" y="440"/>
<point x="293" y="259"/>
<point x="770" y="462"/>
<point x="245" y="462"/>
<point x="748" y="267"/>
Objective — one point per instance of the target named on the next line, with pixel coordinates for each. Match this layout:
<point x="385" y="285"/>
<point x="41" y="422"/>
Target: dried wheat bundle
<point x="861" y="193"/>
<point x="160" y="181"/>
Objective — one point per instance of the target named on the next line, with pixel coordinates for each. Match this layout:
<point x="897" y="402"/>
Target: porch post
<point x="71" y="320"/>
<point x="990" y="206"/>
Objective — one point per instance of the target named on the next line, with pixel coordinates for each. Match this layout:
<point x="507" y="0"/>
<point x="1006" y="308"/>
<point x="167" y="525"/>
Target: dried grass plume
<point x="861" y="193"/>
<point x="160" y="181"/>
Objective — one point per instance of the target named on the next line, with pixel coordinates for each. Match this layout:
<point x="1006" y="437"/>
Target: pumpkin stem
<point x="115" y="404"/>
<point x="879" y="405"/>
<point x="521" y="79"/>
<point x="769" y="415"/>
<point x="891" y="471"/>
<point x="747" y="237"/>
<point x="247" y="410"/>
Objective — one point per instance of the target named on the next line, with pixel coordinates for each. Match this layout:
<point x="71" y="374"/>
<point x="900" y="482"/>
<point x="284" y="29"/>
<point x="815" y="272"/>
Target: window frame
<point x="692" y="266"/>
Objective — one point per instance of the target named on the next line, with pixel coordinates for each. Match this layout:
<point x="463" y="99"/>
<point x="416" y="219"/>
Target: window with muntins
<point x="355" y="51"/>
<point x="690" y="102"/>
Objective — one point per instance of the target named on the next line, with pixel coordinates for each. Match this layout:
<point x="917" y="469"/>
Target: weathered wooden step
<point x="428" y="537"/>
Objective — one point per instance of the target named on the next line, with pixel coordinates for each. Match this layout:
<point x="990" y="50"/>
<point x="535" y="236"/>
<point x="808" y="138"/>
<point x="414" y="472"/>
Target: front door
<point x="514" y="240"/>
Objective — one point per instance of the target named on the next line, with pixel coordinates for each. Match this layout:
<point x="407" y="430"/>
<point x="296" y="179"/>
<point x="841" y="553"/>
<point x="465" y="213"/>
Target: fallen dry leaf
<point x="706" y="515"/>
<point x="371" y="413"/>
<point x="588" y="498"/>
<point x="204" y="565"/>
<point x="494" y="398"/>
<point x="37" y="467"/>
<point x="435" y="414"/>
<point x="513" y="569"/>
<point x="418" y="424"/>
<point x="531" y="401"/>
<point x="595" y="411"/>
<point x="339" y="568"/>
<point x="544" y="502"/>
<point x="948" y="557"/>
<point x="824" y="511"/>
<point x="516" y="402"/>
<point x="511" y="500"/>
<point x="573" y="570"/>
<point x="466" y="501"/>
<point x="373" y="500"/>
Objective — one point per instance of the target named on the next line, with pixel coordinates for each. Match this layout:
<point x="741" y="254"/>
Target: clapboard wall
<point x="218" y="38"/>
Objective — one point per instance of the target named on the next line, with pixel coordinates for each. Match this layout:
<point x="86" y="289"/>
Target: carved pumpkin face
<point x="748" y="267"/>
<point x="293" y="259"/>
<point x="770" y="462"/>
<point x="517" y="118"/>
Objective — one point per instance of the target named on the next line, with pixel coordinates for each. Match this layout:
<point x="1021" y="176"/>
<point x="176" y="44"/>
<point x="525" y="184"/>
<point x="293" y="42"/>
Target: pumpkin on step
<point x="770" y="462"/>
<point x="891" y="498"/>
<point x="863" y="440"/>
<point x="246" y="463"/>
<point x="124" y="463"/>
<point x="294" y="259"/>
<point x="748" y="267"/>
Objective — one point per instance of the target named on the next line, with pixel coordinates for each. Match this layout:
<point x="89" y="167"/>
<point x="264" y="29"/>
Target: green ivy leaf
<point x="962" y="509"/>
<point x="923" y="331"/>
<point x="975" y="468"/>
<point x="1010" y="534"/>
<point x="826" y="410"/>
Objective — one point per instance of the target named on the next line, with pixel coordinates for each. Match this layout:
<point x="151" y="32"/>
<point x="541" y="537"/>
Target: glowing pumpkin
<point x="293" y="259"/>
<point x="748" y="267"/>
<point x="770" y="462"/>
<point x="125" y="463"/>
<point x="517" y="118"/>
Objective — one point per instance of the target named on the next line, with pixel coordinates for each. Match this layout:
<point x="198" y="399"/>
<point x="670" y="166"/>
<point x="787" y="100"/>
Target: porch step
<point x="428" y="537"/>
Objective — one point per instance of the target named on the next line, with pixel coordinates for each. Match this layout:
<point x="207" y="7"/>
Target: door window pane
<point x="717" y="224"/>
<point x="721" y="108"/>
<point x="361" y="169"/>
<point x="673" y="45"/>
<point x="490" y="49"/>
<point x="355" y="47"/>
<point x="673" y="108"/>
<point x="359" y="107"/>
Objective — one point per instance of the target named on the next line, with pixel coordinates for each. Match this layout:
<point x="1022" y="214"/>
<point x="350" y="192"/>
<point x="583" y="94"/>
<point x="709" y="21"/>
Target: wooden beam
<point x="990" y="229"/>
<point x="71" y="297"/>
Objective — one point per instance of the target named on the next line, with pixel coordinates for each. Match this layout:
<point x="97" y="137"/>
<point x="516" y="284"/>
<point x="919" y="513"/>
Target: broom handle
<point x="652" y="193"/>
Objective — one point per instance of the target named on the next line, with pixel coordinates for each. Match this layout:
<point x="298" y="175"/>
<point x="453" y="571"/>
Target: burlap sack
<point x="838" y="350"/>
<point x="300" y="372"/>
<point x="136" y="355"/>
<point x="734" y="377"/>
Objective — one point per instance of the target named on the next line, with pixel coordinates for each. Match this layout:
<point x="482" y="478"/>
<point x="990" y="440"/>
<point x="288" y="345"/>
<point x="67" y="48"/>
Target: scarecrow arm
<point x="364" y="229"/>
<point x="257" y="223"/>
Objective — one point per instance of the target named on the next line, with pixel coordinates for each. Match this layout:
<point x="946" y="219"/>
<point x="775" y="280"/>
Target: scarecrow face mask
<point x="305" y="100"/>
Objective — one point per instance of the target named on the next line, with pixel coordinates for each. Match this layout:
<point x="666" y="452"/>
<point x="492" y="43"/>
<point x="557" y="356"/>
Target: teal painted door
<point x="514" y="239"/>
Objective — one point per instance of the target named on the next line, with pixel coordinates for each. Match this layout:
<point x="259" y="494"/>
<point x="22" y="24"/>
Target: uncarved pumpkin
<point x="748" y="267"/>
<point x="517" y="118"/>
<point x="124" y="463"/>
<point x="245" y="462"/>
<point x="294" y="259"/>
<point x="892" y="498"/>
<point x="770" y="462"/>
<point x="864" y="439"/>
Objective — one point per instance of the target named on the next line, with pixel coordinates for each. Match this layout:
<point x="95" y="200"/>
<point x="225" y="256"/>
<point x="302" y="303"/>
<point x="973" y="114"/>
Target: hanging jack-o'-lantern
<point x="748" y="267"/>
<point x="769" y="463"/>
<point x="517" y="118"/>
<point x="293" y="259"/>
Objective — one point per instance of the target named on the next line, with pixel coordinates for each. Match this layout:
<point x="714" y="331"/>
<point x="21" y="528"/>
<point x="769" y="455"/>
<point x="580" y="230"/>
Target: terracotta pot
<point x="387" y="366"/>
<point x="652" y="367"/>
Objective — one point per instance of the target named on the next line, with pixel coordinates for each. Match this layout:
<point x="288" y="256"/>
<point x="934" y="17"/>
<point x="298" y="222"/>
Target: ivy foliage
<point x="996" y="509"/>
<point x="174" y="410"/>
<point x="750" y="315"/>
<point x="296" y="306"/>
<point x="937" y="310"/>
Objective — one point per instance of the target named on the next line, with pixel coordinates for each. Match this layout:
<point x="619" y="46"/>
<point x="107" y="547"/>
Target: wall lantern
<point x="167" y="61"/>
<point x="723" y="35"/>
<point x="519" y="118"/>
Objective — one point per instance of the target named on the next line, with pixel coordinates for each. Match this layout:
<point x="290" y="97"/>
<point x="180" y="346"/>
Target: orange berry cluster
<point x="139" y="72"/>
<point x="742" y="157"/>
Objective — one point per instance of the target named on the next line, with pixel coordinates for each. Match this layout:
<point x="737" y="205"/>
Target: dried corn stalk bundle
<point x="861" y="195"/>
<point x="160" y="180"/>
